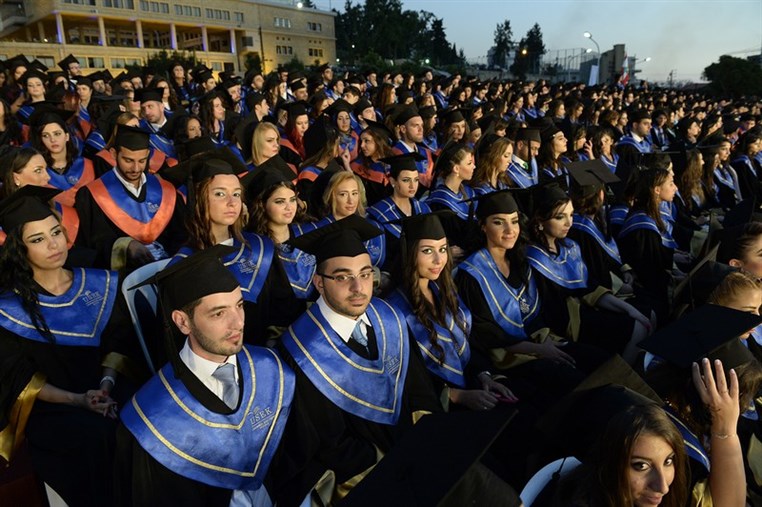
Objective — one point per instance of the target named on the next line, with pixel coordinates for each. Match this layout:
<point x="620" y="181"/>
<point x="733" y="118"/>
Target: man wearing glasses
<point x="351" y="353"/>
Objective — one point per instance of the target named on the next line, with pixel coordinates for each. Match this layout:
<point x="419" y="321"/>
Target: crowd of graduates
<point x="339" y="258"/>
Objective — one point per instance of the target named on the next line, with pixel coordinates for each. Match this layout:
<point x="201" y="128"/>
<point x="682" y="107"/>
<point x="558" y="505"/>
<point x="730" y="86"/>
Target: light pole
<point x="588" y="35"/>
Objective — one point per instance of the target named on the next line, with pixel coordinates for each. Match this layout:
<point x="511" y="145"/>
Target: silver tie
<point x="226" y="374"/>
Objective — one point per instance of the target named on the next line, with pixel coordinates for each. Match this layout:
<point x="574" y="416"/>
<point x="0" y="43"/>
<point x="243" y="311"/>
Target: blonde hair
<point x="732" y="286"/>
<point x="336" y="180"/>
<point x="258" y="139"/>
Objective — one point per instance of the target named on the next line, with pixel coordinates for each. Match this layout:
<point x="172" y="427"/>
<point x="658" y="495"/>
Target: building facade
<point x="111" y="34"/>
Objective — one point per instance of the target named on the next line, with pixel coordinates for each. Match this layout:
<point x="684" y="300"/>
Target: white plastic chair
<point x="540" y="480"/>
<point x="149" y="292"/>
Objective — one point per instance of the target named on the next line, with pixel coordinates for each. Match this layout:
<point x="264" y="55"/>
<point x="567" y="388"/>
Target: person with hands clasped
<point x="61" y="331"/>
<point x="706" y="375"/>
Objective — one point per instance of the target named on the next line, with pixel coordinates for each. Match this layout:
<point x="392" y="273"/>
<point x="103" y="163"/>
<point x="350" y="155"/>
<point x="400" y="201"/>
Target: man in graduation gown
<point x="631" y="147"/>
<point x="523" y="167"/>
<point x="155" y="120"/>
<point x="410" y="125"/>
<point x="129" y="216"/>
<point x="351" y="352"/>
<point x="219" y="424"/>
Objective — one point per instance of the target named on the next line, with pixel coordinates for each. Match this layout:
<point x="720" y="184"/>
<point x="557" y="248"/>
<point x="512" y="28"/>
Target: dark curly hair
<point x="259" y="221"/>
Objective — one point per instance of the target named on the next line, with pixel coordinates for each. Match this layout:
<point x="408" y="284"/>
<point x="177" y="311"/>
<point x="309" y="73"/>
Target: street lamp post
<point x="588" y="35"/>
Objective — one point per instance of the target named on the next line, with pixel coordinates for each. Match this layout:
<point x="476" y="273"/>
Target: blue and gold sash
<point x="566" y="269"/>
<point x="693" y="446"/>
<point x="455" y="202"/>
<point x="509" y="308"/>
<point x="587" y="226"/>
<point x="452" y="339"/>
<point x="300" y="268"/>
<point x="250" y="263"/>
<point x="230" y="451"/>
<point x="384" y="211"/>
<point x="641" y="221"/>
<point x="643" y="146"/>
<point x="76" y="318"/>
<point x="370" y="389"/>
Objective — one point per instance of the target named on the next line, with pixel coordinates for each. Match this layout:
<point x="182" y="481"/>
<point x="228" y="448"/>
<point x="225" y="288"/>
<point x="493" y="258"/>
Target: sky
<point x="683" y="36"/>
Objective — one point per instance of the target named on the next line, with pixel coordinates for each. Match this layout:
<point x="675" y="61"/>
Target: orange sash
<point x="88" y="175"/>
<point x="144" y="232"/>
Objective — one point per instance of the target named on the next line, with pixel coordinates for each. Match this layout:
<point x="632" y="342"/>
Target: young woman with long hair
<point x="68" y="352"/>
<point x="374" y="146"/>
<point x="494" y="156"/>
<point x="297" y="123"/>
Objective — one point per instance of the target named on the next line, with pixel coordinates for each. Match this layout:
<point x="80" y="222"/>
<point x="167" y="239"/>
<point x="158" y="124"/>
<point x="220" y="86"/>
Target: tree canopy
<point x="734" y="77"/>
<point x="503" y="42"/>
<point x="530" y="51"/>
<point x="381" y="28"/>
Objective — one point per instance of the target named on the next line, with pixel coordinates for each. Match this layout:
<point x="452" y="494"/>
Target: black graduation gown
<point x="71" y="448"/>
<point x="652" y="263"/>
<point x="98" y="232"/>
<point x="751" y="186"/>
<point x="297" y="465"/>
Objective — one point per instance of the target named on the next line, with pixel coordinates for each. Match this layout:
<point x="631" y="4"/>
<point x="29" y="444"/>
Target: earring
<point x="540" y="227"/>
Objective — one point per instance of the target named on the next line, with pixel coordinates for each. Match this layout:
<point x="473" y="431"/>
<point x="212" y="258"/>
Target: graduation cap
<point x="16" y="61"/>
<point x="589" y="176"/>
<point x="403" y="162"/>
<point x="500" y="201"/>
<point x="33" y="73"/>
<point x="324" y="67"/>
<point x="46" y="112"/>
<point x="30" y="203"/>
<point x="132" y="138"/>
<point x="544" y="195"/>
<point x="203" y="76"/>
<point x="735" y="225"/>
<point x="697" y="286"/>
<point x="295" y="109"/>
<point x="361" y="106"/>
<point x="64" y="64"/>
<point x="38" y="65"/>
<point x="342" y="238"/>
<point x="380" y="129"/>
<point x="453" y="116"/>
<point x="419" y="470"/>
<point x="254" y="99"/>
<point x="405" y="114"/>
<point x="427" y="112"/>
<point x="710" y="331"/>
<point x="84" y="80"/>
<point x="264" y="177"/>
<point x="296" y="84"/>
<point x="317" y="137"/>
<point x="337" y="107"/>
<point x="96" y="76"/>
<point x="143" y="95"/>
<point x="638" y="115"/>
<point x="576" y="423"/>
<point x="528" y="134"/>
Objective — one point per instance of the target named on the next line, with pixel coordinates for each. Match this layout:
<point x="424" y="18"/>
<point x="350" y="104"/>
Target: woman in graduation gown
<point x="339" y="112"/>
<point x="494" y="156"/>
<point x="403" y="176"/>
<point x="500" y="290"/>
<point x="549" y="160"/>
<point x="321" y="144"/>
<point x="68" y="170"/>
<point x="603" y="147"/>
<point x="374" y="146"/>
<point x="747" y="168"/>
<point x="454" y="167"/>
<point x="217" y="216"/>
<point x="67" y="346"/>
<point x="645" y="240"/>
<point x="291" y="142"/>
<point x="438" y="321"/>
<point x="576" y="305"/>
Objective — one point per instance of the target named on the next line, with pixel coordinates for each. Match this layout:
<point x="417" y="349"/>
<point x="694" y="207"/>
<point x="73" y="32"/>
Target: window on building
<point x="80" y="2"/>
<point x="282" y="22"/>
<point x="144" y="5"/>
<point x="48" y="61"/>
<point x="226" y="15"/>
<point x="119" y="4"/>
<point x="238" y="17"/>
<point x="117" y="63"/>
<point x="197" y="12"/>
<point x="94" y="62"/>
<point x="247" y="41"/>
<point x="210" y="13"/>
<point x="317" y="52"/>
<point x="179" y="10"/>
<point x="284" y="50"/>
<point x="315" y="27"/>
<point x="217" y="66"/>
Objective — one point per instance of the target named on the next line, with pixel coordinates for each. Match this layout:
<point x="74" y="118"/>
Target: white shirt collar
<point x="203" y="368"/>
<point x="157" y="126"/>
<point x="129" y="186"/>
<point x="636" y="137"/>
<point x="341" y="324"/>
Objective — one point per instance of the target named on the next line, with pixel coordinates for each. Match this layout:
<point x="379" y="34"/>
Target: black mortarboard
<point x="47" y="112"/>
<point x="405" y="114"/>
<point x="711" y="331"/>
<point x="361" y="106"/>
<point x="590" y="175"/>
<point x="209" y="167"/>
<point x="342" y="238"/>
<point x="380" y="129"/>
<point x="85" y="80"/>
<point x="454" y="116"/>
<point x="492" y="203"/>
<point x="17" y="61"/>
<point x="550" y="130"/>
<point x="297" y="84"/>
<point x="419" y="470"/>
<point x="699" y="283"/>
<point x="427" y="112"/>
<point x="527" y="134"/>
<point x="279" y="165"/>
<point x="98" y="75"/>
<point x="38" y="65"/>
<point x="203" y="76"/>
<point x="148" y="94"/>
<point x="34" y="73"/>
<point x="28" y="204"/>
<point x="295" y="109"/>
<point x="254" y="99"/>
<point x="198" y="145"/>
<point x="64" y="64"/>
<point x="262" y="178"/>
<point x="324" y="67"/>
<point x="132" y="138"/>
<point x="403" y="162"/>
<point x="316" y="137"/>
<point x="338" y="106"/>
<point x="204" y="160"/>
<point x="638" y="115"/>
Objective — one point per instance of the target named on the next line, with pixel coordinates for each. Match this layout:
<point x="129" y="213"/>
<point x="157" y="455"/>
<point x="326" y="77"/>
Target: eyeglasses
<point x="345" y="279"/>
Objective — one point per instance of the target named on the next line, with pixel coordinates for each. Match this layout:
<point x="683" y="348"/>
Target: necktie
<point x="358" y="335"/>
<point x="226" y="374"/>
